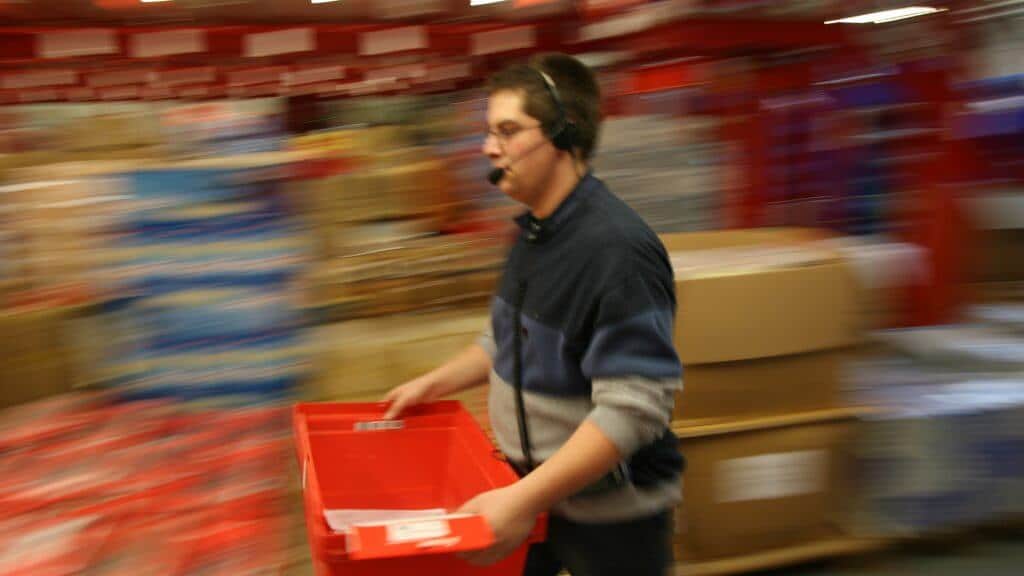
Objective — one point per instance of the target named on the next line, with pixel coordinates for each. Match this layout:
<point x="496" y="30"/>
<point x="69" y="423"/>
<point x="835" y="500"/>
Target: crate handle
<point x="378" y="425"/>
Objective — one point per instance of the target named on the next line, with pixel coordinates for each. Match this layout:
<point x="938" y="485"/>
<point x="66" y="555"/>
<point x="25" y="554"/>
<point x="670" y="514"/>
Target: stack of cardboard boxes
<point x="374" y="223"/>
<point x="361" y="359"/>
<point x="126" y="134"/>
<point x="407" y="275"/>
<point x="59" y="229"/>
<point x="998" y="215"/>
<point x="57" y="224"/>
<point x="765" y="319"/>
<point x="33" y="346"/>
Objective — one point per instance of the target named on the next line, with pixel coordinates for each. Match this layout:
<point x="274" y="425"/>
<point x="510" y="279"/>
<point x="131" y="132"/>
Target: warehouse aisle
<point x="999" y="557"/>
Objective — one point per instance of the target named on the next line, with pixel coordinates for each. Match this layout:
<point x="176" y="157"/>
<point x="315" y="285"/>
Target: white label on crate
<point x="415" y="531"/>
<point x="342" y="520"/>
<point x="379" y="425"/>
<point x="771" y="476"/>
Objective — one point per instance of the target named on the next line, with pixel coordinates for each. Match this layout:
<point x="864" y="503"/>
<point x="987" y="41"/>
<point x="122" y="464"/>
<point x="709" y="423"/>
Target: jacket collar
<point x="540" y="229"/>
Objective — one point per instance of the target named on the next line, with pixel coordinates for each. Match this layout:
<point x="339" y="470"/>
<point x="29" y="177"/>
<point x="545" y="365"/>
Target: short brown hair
<point x="577" y="88"/>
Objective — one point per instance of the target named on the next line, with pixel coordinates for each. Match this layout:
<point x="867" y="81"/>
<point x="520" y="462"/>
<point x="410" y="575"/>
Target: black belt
<point x="611" y="481"/>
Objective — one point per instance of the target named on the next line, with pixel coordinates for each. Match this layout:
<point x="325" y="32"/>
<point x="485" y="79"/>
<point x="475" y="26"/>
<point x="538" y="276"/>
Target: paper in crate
<point x="762" y="321"/>
<point x="391" y="489"/>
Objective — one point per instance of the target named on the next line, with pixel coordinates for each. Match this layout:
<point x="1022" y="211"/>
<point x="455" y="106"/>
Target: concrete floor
<point x="999" y="556"/>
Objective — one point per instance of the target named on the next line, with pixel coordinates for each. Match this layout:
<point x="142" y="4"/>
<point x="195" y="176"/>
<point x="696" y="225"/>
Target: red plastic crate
<point x="436" y="457"/>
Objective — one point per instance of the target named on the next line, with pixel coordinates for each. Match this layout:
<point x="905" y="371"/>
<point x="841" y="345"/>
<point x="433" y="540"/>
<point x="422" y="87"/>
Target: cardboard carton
<point x="761" y="485"/>
<point x="758" y="294"/>
<point x="779" y="385"/>
<point x="363" y="359"/>
<point x="763" y="317"/>
<point x="35" y="363"/>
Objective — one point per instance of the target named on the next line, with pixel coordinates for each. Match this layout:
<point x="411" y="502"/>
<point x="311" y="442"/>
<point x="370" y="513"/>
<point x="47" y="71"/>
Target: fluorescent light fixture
<point x="321" y="1"/>
<point x="989" y="6"/>
<point x="888" y="15"/>
<point x="153" y="1"/>
<point x="483" y="2"/>
<point x="990" y="15"/>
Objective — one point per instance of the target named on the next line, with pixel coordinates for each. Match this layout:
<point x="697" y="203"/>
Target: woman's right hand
<point x="410" y="394"/>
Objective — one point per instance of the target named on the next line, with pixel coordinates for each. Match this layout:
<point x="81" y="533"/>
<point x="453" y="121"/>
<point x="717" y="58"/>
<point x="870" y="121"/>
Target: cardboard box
<point x="363" y="359"/>
<point x="999" y="255"/>
<point x="791" y="556"/>
<point x="34" y="355"/>
<point x="783" y="384"/>
<point x="763" y="317"/>
<point x="805" y="301"/>
<point x="997" y="292"/>
<point x="761" y="485"/>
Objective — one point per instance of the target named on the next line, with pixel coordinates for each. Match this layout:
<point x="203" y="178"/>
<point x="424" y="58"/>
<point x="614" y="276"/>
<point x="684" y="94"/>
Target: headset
<point x="563" y="133"/>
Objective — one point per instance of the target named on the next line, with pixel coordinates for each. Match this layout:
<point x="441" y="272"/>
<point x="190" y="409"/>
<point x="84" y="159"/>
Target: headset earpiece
<point x="565" y="137"/>
<point x="563" y="134"/>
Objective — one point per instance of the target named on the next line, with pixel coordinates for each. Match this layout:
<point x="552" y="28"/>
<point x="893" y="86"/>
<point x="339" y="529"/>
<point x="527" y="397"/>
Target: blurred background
<point x="212" y="209"/>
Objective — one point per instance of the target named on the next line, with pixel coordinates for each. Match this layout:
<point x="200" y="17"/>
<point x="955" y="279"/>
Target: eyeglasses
<point x="506" y="132"/>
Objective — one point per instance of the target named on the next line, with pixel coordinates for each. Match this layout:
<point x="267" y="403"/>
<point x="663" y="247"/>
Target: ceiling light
<point x="888" y="15"/>
<point x="483" y="2"/>
<point x="321" y="1"/>
<point x="988" y="6"/>
<point x="152" y="1"/>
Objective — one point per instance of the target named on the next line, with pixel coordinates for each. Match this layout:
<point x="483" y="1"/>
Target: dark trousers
<point x="635" y="548"/>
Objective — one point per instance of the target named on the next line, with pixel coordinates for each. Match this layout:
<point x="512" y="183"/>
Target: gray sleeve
<point x="486" y="340"/>
<point x="633" y="411"/>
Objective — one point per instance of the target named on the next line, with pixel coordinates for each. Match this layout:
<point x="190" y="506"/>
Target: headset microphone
<point x="496" y="175"/>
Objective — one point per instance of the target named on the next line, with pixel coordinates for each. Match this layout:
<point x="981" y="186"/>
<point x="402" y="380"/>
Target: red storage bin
<point x="436" y="457"/>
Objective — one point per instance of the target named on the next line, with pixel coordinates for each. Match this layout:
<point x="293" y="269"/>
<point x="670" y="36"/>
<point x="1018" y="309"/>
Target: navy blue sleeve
<point x="632" y="333"/>
<point x="633" y="366"/>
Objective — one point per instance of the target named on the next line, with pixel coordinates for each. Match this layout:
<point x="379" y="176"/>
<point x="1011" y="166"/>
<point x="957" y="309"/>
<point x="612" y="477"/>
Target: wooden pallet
<point x="791" y="556"/>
